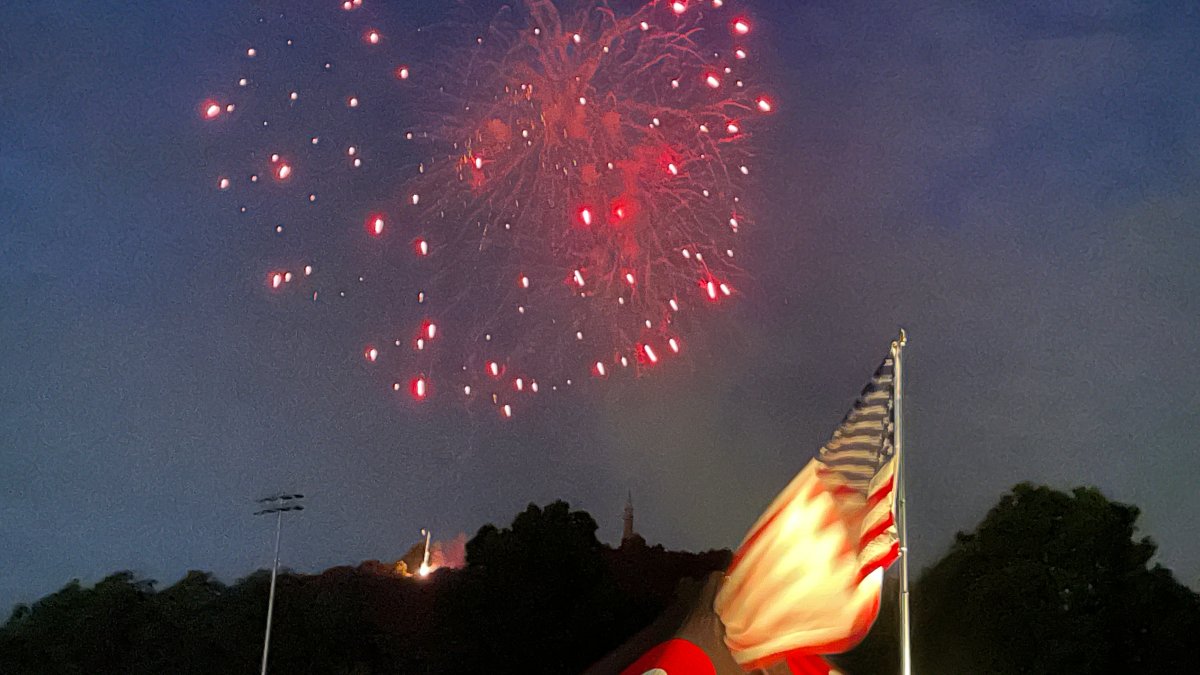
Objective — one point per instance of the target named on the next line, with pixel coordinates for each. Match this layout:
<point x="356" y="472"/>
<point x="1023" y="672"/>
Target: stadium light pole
<point x="277" y="504"/>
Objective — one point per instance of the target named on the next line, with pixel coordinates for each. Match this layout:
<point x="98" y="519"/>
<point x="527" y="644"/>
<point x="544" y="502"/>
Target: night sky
<point x="1017" y="186"/>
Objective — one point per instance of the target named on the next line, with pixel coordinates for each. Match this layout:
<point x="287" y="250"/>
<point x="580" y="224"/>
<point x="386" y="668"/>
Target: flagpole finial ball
<point x="903" y="338"/>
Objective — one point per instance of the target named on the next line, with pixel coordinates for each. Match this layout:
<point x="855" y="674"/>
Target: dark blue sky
<point x="1019" y="186"/>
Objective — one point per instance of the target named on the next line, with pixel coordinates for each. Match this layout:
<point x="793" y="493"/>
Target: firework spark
<point x="567" y="194"/>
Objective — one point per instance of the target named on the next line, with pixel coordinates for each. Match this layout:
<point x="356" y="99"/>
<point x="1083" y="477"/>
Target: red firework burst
<point x="577" y="193"/>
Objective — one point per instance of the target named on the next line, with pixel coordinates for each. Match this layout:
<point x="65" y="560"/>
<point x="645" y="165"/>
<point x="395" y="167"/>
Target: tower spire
<point x="628" y="533"/>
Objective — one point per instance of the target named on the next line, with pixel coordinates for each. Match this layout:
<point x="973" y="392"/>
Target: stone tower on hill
<point x="628" y="536"/>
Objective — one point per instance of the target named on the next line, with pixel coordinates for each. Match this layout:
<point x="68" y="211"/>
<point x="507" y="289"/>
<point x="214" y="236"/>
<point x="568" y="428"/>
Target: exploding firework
<point x="557" y="187"/>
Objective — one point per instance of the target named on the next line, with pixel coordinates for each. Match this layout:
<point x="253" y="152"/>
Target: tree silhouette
<point x="543" y="576"/>
<point x="1048" y="582"/>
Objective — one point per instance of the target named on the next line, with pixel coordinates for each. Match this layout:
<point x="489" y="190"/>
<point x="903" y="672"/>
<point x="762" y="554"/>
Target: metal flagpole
<point x="901" y="508"/>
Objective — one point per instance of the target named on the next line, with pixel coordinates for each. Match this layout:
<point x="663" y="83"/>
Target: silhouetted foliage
<point x="1048" y="582"/>
<point x="544" y="593"/>
<point x="544" y="576"/>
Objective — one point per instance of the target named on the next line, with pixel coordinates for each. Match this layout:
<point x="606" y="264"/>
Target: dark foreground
<point x="1049" y="582"/>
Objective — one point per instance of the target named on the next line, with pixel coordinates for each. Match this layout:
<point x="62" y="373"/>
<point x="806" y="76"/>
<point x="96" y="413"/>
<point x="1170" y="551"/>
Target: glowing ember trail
<point x="595" y="152"/>
<point x="425" y="568"/>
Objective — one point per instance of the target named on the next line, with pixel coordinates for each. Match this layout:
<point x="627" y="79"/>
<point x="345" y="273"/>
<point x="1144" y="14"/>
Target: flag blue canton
<point x="863" y="443"/>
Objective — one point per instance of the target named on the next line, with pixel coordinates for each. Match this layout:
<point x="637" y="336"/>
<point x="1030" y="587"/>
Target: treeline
<point x="1050" y="582"/>
<point x="543" y="592"/>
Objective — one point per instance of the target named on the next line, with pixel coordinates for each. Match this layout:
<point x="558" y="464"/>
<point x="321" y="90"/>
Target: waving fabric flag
<point x="806" y="581"/>
<point x="807" y="578"/>
<point x="858" y="464"/>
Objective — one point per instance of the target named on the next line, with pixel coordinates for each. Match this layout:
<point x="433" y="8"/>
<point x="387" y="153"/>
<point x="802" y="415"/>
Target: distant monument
<point x="628" y="536"/>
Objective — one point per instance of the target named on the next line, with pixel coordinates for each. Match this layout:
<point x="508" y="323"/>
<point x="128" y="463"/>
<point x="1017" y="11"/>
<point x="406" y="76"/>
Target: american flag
<point x="806" y="580"/>
<point x="857" y="466"/>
